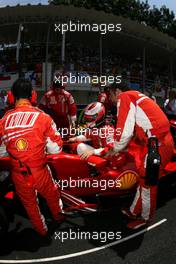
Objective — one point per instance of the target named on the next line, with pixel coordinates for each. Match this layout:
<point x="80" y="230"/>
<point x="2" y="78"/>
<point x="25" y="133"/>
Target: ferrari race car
<point x="81" y="179"/>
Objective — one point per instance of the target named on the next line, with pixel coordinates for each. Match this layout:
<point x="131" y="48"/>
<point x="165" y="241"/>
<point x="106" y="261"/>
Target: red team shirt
<point x="61" y="104"/>
<point x="25" y="131"/>
<point x="138" y="118"/>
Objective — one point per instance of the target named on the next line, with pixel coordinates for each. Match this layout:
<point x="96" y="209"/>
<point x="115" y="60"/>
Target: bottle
<point x="153" y="162"/>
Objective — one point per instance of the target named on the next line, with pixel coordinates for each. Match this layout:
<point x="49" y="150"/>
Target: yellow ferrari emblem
<point x="21" y="144"/>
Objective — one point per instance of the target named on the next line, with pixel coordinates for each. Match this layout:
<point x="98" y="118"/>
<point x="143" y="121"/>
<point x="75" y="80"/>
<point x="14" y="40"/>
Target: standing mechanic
<point x="104" y="98"/>
<point x="139" y="118"/>
<point x="28" y="133"/>
<point x="60" y="105"/>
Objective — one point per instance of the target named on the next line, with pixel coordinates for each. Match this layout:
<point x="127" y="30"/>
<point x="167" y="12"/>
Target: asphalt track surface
<point x="155" y="246"/>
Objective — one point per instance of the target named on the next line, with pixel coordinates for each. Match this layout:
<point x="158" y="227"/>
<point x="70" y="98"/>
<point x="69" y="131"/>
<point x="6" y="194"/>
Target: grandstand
<point x="142" y="55"/>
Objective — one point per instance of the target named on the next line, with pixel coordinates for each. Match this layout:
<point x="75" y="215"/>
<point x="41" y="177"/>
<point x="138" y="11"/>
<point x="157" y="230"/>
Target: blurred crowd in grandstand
<point x="86" y="60"/>
<point x="80" y="58"/>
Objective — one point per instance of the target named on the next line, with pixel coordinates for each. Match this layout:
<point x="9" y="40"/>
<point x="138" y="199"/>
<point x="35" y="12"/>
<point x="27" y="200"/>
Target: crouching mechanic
<point x="28" y="133"/>
<point x="139" y="118"/>
<point x="60" y="105"/>
<point x="100" y="134"/>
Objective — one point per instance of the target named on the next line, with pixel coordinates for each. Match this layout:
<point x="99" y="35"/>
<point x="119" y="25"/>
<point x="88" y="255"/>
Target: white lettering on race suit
<point x="21" y="120"/>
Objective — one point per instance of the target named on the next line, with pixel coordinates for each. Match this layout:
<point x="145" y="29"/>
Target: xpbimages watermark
<point x="102" y="184"/>
<point x="102" y="80"/>
<point x="86" y="27"/>
<point x="103" y="132"/>
<point x="102" y="236"/>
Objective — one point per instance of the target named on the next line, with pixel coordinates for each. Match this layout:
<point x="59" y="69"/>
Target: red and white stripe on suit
<point x="138" y="118"/>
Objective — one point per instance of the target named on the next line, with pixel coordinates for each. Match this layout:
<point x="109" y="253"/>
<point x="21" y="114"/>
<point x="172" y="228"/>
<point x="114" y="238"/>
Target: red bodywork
<point x="79" y="178"/>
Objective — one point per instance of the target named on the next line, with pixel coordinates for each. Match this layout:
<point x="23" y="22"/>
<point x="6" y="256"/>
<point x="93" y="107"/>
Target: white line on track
<point x="85" y="252"/>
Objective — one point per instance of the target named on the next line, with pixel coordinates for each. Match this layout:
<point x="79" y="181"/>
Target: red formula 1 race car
<point x="80" y="180"/>
<point x="92" y="177"/>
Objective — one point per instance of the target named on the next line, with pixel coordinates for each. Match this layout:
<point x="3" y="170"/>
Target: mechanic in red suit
<point x="11" y="99"/>
<point x="60" y="105"/>
<point x="104" y="98"/>
<point x="28" y="134"/>
<point x="138" y="118"/>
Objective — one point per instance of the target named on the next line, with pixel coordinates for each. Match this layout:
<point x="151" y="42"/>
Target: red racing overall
<point x="138" y="118"/>
<point x="27" y="133"/>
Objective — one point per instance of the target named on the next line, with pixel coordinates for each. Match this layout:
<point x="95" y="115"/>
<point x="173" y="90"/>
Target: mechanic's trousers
<point x="40" y="180"/>
<point x="144" y="203"/>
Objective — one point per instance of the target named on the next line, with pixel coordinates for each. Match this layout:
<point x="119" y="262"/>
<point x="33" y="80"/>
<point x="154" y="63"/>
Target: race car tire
<point x="4" y="223"/>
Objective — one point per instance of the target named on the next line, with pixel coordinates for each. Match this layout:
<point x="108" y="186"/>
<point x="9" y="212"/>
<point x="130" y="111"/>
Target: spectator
<point x="170" y="104"/>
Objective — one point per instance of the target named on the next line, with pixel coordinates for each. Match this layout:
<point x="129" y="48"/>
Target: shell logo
<point x="21" y="144"/>
<point x="128" y="179"/>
